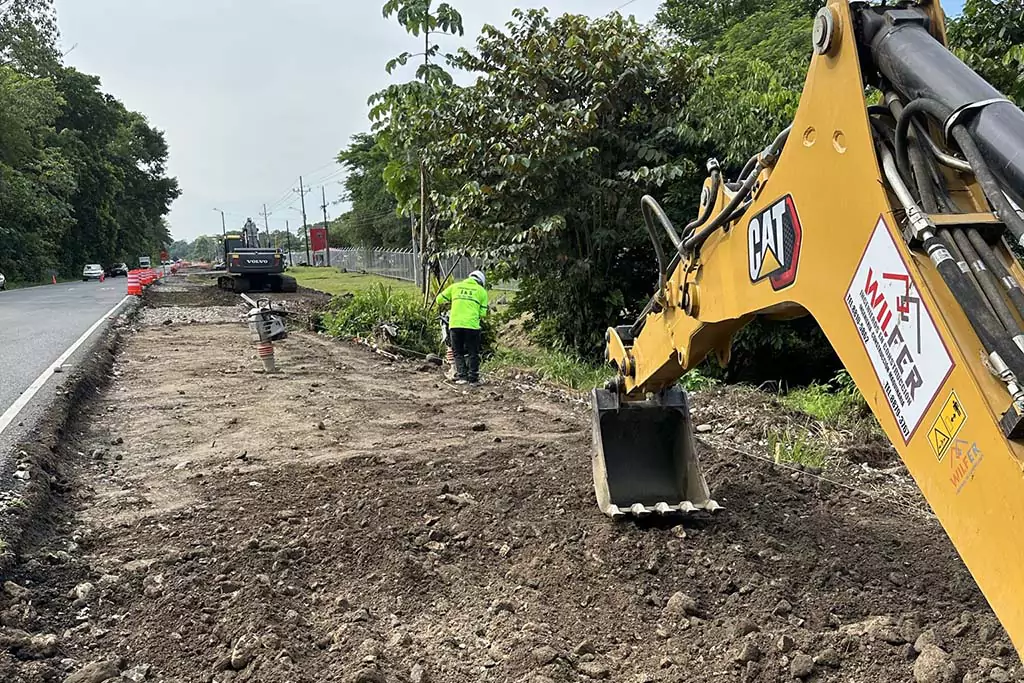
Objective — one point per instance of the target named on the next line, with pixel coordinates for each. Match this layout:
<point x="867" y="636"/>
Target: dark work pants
<point x="466" y="347"/>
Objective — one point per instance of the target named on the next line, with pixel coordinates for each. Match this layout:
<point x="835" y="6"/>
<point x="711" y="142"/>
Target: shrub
<point x="372" y="313"/>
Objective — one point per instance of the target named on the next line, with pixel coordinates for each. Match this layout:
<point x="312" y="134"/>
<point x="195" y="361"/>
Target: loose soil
<point x="355" y="519"/>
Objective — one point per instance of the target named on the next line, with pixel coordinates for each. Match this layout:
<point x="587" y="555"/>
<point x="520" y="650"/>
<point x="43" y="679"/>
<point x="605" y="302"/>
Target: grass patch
<point x="835" y="403"/>
<point x="333" y="281"/>
<point x="796" y="447"/>
<point x="551" y="366"/>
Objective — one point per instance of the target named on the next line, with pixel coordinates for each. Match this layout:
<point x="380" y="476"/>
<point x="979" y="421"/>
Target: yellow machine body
<point x="823" y="237"/>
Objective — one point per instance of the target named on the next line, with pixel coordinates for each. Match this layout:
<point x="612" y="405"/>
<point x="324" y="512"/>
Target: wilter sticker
<point x="898" y="332"/>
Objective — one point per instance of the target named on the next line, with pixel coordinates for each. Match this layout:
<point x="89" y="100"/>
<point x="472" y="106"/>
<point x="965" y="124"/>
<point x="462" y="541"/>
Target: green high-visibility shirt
<point x="469" y="304"/>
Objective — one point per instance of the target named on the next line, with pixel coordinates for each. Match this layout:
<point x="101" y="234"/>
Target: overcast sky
<point x="253" y="93"/>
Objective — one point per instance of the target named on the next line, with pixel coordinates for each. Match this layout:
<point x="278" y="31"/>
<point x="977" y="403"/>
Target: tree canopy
<point x="537" y="166"/>
<point x="82" y="178"/>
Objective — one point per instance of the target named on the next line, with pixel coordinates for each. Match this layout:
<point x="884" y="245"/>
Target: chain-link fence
<point x="400" y="264"/>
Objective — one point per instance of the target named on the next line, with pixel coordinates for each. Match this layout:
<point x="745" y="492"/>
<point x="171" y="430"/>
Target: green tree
<point x="28" y="36"/>
<point x="989" y="36"/>
<point x="373" y="220"/>
<point x="402" y="113"/>
<point x="570" y="121"/>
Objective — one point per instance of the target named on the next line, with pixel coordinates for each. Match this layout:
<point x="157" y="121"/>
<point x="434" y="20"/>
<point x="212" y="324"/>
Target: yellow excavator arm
<point x="891" y="225"/>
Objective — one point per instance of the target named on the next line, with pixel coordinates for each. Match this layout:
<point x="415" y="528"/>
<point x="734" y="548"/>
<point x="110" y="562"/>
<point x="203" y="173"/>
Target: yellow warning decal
<point x="947" y="425"/>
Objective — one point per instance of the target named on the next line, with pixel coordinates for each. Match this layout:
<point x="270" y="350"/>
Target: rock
<point x="368" y="676"/>
<point x="95" y="672"/>
<point x="98" y="454"/>
<point x="116" y="441"/>
<point x="594" y="669"/>
<point x="17" y="592"/>
<point x="321" y="426"/>
<point x="704" y="429"/>
<point x="783" y="608"/>
<point x="399" y="639"/>
<point x="828" y="657"/>
<point x="924" y="640"/>
<point x="419" y="674"/>
<point x="479" y="427"/>
<point x="999" y="675"/>
<point x="585" y="648"/>
<point x="681" y="604"/>
<point x="750" y="652"/>
<point x="242" y="652"/>
<point x="802" y="666"/>
<point x="82" y="591"/>
<point x="785" y="643"/>
<point x="136" y="674"/>
<point x="500" y="605"/>
<point x="743" y="627"/>
<point x="544" y="655"/>
<point x="41" y="647"/>
<point x="986" y="663"/>
<point x="934" y="666"/>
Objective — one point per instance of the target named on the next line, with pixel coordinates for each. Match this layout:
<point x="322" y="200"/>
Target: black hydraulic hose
<point x="918" y="106"/>
<point x="958" y="243"/>
<point x="725" y="215"/>
<point x="989" y="185"/>
<point x="652" y="210"/>
<point x="748" y="167"/>
<point x="998" y="270"/>
<point x="985" y="279"/>
<point x="985" y="325"/>
<point x="705" y="213"/>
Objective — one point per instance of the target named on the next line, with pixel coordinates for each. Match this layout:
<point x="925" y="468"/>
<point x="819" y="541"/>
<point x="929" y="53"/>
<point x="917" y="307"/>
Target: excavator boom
<point x="891" y="225"/>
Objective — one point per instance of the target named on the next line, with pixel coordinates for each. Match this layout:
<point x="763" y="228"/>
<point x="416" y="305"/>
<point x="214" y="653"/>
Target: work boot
<point x="461" y="371"/>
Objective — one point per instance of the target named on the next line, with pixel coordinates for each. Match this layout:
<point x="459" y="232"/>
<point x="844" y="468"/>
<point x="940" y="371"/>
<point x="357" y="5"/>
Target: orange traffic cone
<point x="54" y="279"/>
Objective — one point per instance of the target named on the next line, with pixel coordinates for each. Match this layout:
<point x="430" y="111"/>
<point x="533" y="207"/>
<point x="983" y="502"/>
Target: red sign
<point x="318" y="238"/>
<point x="164" y="256"/>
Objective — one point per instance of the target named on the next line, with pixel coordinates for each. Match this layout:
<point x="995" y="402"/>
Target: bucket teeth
<point x="662" y="508"/>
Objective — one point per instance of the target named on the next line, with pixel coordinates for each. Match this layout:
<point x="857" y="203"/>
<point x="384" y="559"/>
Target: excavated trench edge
<point x="30" y="509"/>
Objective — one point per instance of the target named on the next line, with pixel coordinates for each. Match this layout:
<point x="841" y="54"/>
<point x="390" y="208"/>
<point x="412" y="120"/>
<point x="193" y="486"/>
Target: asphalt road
<point x="38" y="324"/>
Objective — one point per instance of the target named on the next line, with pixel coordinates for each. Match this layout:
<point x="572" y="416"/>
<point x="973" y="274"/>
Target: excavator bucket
<point x="644" y="459"/>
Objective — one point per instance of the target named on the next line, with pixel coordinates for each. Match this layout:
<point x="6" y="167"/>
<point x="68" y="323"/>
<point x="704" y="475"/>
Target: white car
<point x="3" y="282"/>
<point x="93" y="271"/>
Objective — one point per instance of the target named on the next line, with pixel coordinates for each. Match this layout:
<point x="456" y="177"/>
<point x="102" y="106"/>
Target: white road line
<point x="11" y="414"/>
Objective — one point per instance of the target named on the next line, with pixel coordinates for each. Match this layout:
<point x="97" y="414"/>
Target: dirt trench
<point x="355" y="519"/>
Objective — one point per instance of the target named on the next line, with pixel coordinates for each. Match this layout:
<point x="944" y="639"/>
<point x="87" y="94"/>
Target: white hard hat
<point x="479" y="276"/>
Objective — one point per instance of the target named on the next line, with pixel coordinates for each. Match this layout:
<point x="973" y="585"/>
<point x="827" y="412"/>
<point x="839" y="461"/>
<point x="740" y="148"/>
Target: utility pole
<point x="223" y="224"/>
<point x="266" y="224"/>
<point x="305" y="235"/>
<point x="327" y="229"/>
<point x="288" y="229"/>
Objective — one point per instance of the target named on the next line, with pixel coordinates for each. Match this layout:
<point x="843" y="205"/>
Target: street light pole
<point x="223" y="224"/>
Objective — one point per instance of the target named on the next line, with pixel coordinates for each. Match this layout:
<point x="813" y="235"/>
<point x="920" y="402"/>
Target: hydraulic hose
<point x="725" y="215"/>
<point x="989" y="185"/>
<point x="651" y="211"/>
<point x="988" y="328"/>
<point x="705" y="213"/>
<point x="998" y="270"/>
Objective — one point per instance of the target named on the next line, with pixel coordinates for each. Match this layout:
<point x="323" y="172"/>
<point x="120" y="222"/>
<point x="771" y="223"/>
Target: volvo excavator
<point x="890" y="212"/>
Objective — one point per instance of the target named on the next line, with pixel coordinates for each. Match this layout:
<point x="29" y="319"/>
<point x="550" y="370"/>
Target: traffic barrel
<point x="134" y="286"/>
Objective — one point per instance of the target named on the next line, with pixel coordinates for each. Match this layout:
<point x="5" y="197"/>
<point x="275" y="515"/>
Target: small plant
<point x="835" y="403"/>
<point x="695" y="380"/>
<point x="795" y="447"/>
<point x="556" y="367"/>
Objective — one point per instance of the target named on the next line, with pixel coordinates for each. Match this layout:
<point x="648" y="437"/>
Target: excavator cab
<point x="644" y="459"/>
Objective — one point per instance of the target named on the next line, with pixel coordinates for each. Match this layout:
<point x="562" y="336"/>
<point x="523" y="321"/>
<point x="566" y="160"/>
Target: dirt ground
<point x="355" y="519"/>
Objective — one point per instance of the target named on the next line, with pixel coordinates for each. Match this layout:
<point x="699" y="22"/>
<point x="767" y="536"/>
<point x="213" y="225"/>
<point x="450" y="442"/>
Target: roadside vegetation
<point x="83" y="179"/>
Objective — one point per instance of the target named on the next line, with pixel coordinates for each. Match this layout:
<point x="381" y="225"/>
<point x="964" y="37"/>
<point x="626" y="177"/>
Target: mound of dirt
<point x="356" y="520"/>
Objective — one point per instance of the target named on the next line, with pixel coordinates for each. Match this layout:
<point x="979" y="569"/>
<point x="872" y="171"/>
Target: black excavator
<point x="251" y="267"/>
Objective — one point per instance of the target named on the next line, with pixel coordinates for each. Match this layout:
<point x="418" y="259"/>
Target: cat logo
<point x="773" y="241"/>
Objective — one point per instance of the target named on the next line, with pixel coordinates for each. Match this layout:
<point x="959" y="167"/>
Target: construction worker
<point x="468" y="300"/>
